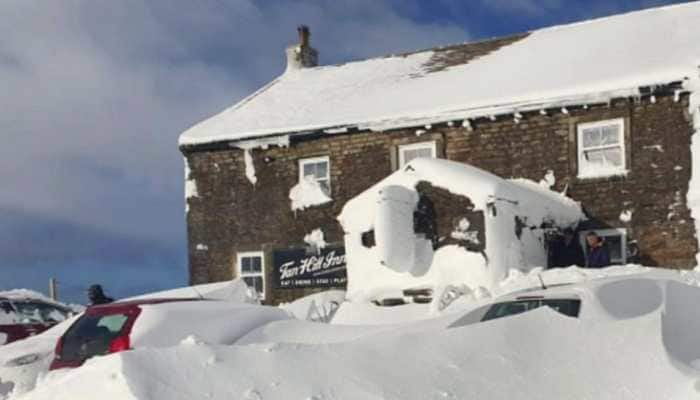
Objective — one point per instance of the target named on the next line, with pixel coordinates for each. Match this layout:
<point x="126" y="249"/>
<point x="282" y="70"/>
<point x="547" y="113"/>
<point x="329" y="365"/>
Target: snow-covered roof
<point x="578" y="63"/>
<point x="479" y="186"/>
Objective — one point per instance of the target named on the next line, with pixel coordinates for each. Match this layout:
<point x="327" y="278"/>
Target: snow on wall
<point x="315" y="239"/>
<point x="249" y="166"/>
<point x="507" y="245"/>
<point x="693" y="196"/>
<point x="549" y="179"/>
<point x="190" y="185"/>
<point x="626" y="216"/>
<point x="379" y="94"/>
<point x="307" y="193"/>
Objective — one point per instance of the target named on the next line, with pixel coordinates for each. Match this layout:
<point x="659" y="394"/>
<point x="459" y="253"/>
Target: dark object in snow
<point x="566" y="251"/>
<point x="598" y="252"/>
<point x="390" y="302"/>
<point x="424" y="219"/>
<point x="419" y="295"/>
<point x="97" y="296"/>
<point x="418" y="292"/>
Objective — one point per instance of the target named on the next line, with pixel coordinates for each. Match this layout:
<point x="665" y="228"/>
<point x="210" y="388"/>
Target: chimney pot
<point x="302" y="55"/>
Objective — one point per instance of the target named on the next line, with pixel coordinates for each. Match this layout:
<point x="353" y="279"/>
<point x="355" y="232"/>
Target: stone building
<point x="603" y="111"/>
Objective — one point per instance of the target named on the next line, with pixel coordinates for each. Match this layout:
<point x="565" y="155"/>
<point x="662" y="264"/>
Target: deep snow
<point x="635" y="344"/>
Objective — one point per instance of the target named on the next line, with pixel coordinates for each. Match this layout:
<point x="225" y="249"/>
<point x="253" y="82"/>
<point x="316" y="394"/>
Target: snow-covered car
<point x="127" y="325"/>
<point x="21" y="317"/>
<point x="611" y="298"/>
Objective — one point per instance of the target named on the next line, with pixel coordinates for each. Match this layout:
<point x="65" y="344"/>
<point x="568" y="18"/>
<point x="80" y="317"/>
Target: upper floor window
<point x="408" y="152"/>
<point x="250" y="269"/>
<point x="317" y="168"/>
<point x="614" y="239"/>
<point x="601" y="148"/>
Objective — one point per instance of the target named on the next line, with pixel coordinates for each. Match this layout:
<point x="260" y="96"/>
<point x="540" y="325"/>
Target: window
<point x="568" y="307"/>
<point x="601" y="148"/>
<point x="250" y="268"/>
<point x="38" y="312"/>
<point x="318" y="168"/>
<point x="408" y="152"/>
<point x="615" y="239"/>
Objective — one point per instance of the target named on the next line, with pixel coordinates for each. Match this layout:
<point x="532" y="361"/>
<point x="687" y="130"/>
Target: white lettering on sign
<point x="311" y="265"/>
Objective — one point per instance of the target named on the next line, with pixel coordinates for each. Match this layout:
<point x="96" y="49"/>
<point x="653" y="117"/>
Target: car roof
<point x="139" y="302"/>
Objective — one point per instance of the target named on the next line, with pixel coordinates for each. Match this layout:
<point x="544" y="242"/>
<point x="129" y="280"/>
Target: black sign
<point x="295" y="268"/>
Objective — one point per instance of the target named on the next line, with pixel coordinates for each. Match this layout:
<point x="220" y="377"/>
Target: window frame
<point x="239" y="270"/>
<point x="431" y="144"/>
<point x="316" y="160"/>
<point x="622" y="232"/>
<point x="622" y="145"/>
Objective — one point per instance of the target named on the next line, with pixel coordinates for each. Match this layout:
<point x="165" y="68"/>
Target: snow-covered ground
<point x="637" y="341"/>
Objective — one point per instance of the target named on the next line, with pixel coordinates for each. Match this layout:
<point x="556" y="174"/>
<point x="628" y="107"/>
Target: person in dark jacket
<point x="97" y="296"/>
<point x="566" y="250"/>
<point x="598" y="253"/>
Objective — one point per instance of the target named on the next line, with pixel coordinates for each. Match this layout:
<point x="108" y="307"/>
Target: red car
<point x="115" y="327"/>
<point x="102" y="329"/>
<point x="24" y="317"/>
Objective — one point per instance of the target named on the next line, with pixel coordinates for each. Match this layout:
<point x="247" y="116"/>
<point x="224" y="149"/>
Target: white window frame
<point x="316" y="160"/>
<point x="261" y="274"/>
<point x="431" y="145"/>
<point x="603" y="233"/>
<point x="620" y="122"/>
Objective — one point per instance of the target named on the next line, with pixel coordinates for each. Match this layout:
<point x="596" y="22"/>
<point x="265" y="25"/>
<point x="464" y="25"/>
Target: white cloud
<point x="94" y="94"/>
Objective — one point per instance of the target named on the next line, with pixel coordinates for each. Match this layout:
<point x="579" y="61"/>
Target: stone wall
<point x="232" y="215"/>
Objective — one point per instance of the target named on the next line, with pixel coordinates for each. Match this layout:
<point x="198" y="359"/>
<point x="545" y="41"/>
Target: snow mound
<point x="235" y="291"/>
<point x="543" y="354"/>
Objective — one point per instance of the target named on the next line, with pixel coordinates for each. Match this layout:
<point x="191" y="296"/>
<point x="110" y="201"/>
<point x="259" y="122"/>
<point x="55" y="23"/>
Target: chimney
<point x="301" y="55"/>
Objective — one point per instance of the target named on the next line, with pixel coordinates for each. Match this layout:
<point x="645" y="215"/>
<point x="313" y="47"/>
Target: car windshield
<point x="568" y="307"/>
<point x="91" y="335"/>
<point x="38" y="312"/>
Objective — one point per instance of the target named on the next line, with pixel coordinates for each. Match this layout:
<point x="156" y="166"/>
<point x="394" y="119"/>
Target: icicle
<point x="564" y="110"/>
<point x="517" y="115"/>
<point x="676" y="95"/>
<point x="652" y="99"/>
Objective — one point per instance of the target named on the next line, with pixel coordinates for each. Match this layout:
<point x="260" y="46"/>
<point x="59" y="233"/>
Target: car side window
<point x="38" y="312"/>
<point x="6" y="307"/>
<point x="568" y="307"/>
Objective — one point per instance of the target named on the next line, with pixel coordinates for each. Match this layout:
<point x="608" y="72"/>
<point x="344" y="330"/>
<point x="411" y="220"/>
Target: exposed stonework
<point x="230" y="215"/>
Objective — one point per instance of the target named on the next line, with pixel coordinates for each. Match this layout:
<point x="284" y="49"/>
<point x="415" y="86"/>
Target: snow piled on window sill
<point x="602" y="173"/>
<point x="308" y="193"/>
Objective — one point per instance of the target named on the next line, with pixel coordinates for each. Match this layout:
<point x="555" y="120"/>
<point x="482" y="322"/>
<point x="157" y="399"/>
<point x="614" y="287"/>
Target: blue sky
<point x="94" y="95"/>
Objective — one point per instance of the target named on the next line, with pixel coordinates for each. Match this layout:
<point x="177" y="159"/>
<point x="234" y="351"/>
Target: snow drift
<point x="516" y="215"/>
<point x="645" y="354"/>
